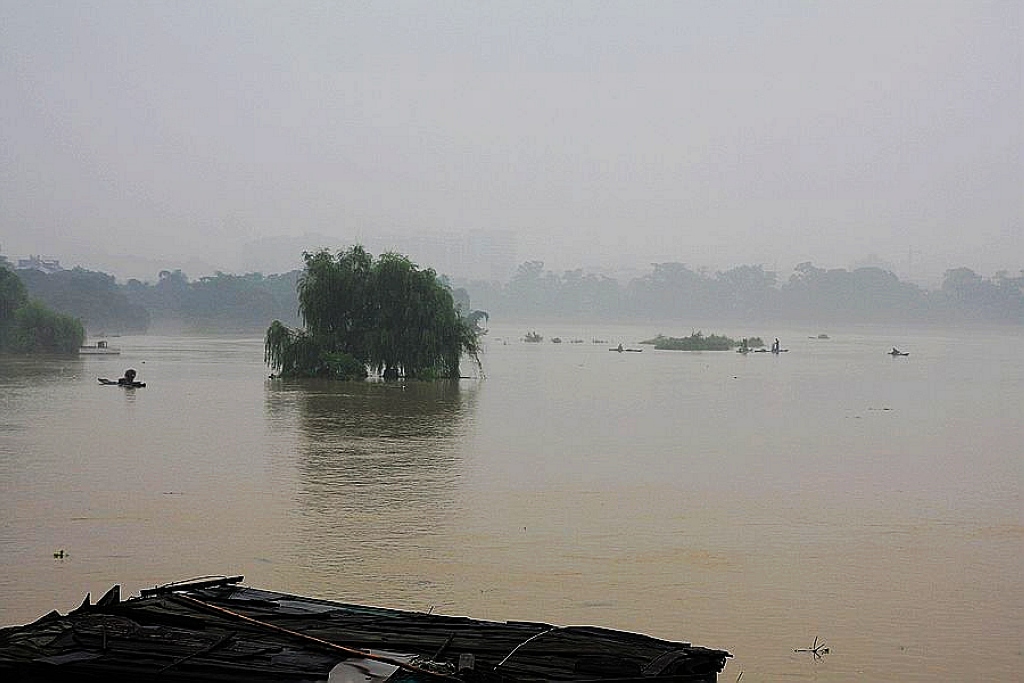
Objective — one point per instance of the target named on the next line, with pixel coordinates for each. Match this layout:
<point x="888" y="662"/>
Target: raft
<point x="220" y="630"/>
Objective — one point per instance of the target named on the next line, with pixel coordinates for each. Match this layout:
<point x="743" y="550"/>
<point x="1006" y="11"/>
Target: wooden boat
<point x="117" y="383"/>
<point x="100" y="348"/>
<point x="219" y="630"/>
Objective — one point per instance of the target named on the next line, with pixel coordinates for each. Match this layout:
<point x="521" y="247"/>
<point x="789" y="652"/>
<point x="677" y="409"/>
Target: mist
<point x="233" y="135"/>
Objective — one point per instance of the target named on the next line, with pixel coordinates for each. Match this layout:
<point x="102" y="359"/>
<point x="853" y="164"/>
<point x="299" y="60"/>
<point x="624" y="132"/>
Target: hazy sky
<point x="712" y="133"/>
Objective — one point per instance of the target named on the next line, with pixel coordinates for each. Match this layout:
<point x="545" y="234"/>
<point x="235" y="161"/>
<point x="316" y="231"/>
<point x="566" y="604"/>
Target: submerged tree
<point x="385" y="315"/>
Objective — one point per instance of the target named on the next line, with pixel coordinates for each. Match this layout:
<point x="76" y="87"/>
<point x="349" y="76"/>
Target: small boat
<point x="894" y="353"/>
<point x="100" y="348"/>
<point x="119" y="383"/>
<point x="217" y="630"/>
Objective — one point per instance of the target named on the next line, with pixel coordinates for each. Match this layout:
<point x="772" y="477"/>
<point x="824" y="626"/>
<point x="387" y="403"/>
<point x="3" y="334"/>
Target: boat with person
<point x="120" y="383"/>
<point x="216" y="629"/>
<point x="128" y="380"/>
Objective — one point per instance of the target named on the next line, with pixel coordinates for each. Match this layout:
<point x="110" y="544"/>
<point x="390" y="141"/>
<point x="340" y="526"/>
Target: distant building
<point x="48" y="266"/>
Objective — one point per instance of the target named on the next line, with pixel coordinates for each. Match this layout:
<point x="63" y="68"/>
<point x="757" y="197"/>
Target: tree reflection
<point x="18" y="371"/>
<point x="377" y="467"/>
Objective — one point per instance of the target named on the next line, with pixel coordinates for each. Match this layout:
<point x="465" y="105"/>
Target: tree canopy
<point x="12" y="294"/>
<point x="91" y="296"/>
<point x="28" y="326"/>
<point x="361" y="314"/>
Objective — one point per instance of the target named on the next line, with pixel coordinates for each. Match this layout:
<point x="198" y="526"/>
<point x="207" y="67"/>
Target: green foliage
<point x="12" y="297"/>
<point x="93" y="297"/>
<point x="12" y="294"/>
<point x="28" y="326"/>
<point x="278" y="351"/>
<point x="37" y="329"/>
<point x="221" y="301"/>
<point x="695" y="342"/>
<point x="387" y="315"/>
<point x="474" y="319"/>
<point x="341" y="365"/>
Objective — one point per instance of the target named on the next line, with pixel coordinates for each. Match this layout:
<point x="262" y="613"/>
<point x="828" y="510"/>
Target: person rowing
<point x="129" y="378"/>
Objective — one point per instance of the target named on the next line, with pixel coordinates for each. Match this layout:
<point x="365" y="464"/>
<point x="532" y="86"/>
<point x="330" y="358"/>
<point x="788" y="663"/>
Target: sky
<point x="135" y="135"/>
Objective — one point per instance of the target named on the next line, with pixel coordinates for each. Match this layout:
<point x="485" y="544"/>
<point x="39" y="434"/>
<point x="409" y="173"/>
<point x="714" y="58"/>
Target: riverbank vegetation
<point x="669" y="291"/>
<point x="361" y="314"/>
<point x="28" y="326"/>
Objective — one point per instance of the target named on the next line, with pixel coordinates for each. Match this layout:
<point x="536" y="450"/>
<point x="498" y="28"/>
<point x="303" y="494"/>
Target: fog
<point x="233" y="135"/>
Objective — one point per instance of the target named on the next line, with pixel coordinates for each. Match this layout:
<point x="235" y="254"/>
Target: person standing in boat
<point x="128" y="379"/>
<point x="775" y="346"/>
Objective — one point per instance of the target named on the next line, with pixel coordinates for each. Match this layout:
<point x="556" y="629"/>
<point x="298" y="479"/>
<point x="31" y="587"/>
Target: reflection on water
<point x="27" y="386"/>
<point x="377" y="467"/>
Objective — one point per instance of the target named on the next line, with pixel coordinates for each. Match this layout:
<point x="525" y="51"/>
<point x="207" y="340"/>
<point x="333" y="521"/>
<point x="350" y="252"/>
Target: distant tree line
<point x="218" y="302"/>
<point x="751" y="293"/>
<point x="221" y="302"/>
<point x="669" y="291"/>
<point x="94" y="298"/>
<point x="29" y="326"/>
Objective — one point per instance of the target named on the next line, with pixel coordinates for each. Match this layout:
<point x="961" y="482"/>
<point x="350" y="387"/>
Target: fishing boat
<point x="128" y="384"/>
<point x="100" y="348"/>
<point x="217" y="629"/>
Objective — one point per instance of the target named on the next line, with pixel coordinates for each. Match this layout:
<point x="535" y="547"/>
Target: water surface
<point x="749" y="503"/>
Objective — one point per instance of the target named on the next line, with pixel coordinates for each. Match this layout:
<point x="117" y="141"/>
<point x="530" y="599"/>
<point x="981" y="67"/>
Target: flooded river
<point x="749" y="503"/>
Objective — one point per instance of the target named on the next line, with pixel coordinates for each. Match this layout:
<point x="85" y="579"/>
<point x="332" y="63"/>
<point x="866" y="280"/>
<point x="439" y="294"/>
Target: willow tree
<point x="359" y="314"/>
